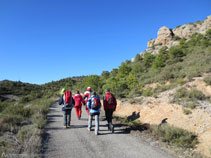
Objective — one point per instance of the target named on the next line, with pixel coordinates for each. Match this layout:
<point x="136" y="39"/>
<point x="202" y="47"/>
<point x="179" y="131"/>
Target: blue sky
<point x="45" y="40"/>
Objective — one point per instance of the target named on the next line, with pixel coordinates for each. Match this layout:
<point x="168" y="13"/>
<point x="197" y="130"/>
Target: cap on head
<point x="89" y="89"/>
<point x="62" y="91"/>
<point x="107" y="89"/>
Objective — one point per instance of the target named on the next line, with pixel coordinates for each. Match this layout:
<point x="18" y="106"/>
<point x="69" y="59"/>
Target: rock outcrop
<point x="165" y="35"/>
<point x="170" y="37"/>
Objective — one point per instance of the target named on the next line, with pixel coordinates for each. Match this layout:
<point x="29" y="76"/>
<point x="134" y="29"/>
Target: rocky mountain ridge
<point x="170" y="37"/>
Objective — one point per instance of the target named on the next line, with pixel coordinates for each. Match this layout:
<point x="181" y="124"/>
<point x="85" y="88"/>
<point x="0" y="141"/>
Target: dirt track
<point x="78" y="142"/>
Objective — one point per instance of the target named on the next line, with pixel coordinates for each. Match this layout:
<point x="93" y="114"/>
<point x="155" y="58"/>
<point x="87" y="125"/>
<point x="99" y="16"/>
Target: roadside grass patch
<point x="25" y="123"/>
<point x="174" y="136"/>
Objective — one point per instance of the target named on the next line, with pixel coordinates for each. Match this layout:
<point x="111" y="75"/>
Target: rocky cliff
<point x="170" y="37"/>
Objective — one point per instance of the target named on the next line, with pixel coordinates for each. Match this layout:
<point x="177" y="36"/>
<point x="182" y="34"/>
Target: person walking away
<point x="87" y="95"/>
<point x="94" y="105"/>
<point x="68" y="102"/>
<point x="78" y="104"/>
<point x="109" y="104"/>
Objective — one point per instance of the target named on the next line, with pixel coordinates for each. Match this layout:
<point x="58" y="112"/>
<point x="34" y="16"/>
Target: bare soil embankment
<point x="154" y="110"/>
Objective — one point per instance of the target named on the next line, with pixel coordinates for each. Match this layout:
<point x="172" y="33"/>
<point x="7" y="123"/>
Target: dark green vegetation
<point x="208" y="80"/>
<point x="189" y="98"/>
<point x="23" y="110"/>
<point x="174" y="136"/>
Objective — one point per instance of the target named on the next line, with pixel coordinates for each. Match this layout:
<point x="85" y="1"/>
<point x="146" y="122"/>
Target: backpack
<point x="111" y="99"/>
<point x="95" y="103"/>
<point x="68" y="98"/>
<point x="87" y="96"/>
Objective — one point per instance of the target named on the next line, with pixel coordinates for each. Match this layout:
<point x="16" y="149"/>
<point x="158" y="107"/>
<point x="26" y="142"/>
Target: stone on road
<point x="78" y="142"/>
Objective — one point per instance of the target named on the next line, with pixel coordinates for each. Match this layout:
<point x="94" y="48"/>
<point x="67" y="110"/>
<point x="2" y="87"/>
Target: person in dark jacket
<point x="67" y="106"/>
<point x="94" y="111"/>
<point x="109" y="104"/>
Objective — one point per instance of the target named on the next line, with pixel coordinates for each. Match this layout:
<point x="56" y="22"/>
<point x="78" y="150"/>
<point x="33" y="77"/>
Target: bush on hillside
<point x="176" y="54"/>
<point x="175" y="136"/>
<point x="93" y="81"/>
<point x="208" y="80"/>
<point x="138" y="58"/>
<point x="160" y="61"/>
<point x="148" y="59"/>
<point x="137" y="68"/>
<point x="188" y="98"/>
<point x="124" y="70"/>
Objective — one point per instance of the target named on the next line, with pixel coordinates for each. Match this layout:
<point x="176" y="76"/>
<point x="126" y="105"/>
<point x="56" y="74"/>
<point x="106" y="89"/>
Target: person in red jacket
<point x="78" y="104"/>
<point x="87" y="95"/>
<point x="109" y="103"/>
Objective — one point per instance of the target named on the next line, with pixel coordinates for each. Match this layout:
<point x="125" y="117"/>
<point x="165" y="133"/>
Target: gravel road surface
<point x="78" y="142"/>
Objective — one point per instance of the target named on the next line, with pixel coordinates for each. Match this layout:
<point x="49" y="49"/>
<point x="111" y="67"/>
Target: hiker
<point x="87" y="95"/>
<point x="109" y="103"/>
<point x="94" y="105"/>
<point x="78" y="104"/>
<point x="68" y="102"/>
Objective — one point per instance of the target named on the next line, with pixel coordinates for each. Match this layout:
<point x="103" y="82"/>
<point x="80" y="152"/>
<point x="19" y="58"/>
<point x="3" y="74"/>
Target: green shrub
<point x="4" y="105"/>
<point x="134" y="123"/>
<point x="195" y="94"/>
<point x="181" y="93"/>
<point x="122" y="119"/>
<point x="147" y="92"/>
<point x="208" y="34"/>
<point x="160" y="61"/>
<point x="192" y="106"/>
<point x="19" y="110"/>
<point x="137" y="58"/>
<point x="188" y="98"/>
<point x="24" y="99"/>
<point x="10" y="123"/>
<point x="175" y="136"/>
<point x="180" y="81"/>
<point x="175" y="53"/>
<point x="167" y="74"/>
<point x="186" y="111"/>
<point x="208" y="80"/>
<point x="190" y="94"/>
<point x="148" y="59"/>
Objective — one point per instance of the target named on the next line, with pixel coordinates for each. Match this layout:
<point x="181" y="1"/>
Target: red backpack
<point x="111" y="99"/>
<point x="68" y="97"/>
<point x="95" y="103"/>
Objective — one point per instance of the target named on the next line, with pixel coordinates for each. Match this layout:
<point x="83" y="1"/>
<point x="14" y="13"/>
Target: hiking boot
<point x="109" y="128"/>
<point x="112" y="129"/>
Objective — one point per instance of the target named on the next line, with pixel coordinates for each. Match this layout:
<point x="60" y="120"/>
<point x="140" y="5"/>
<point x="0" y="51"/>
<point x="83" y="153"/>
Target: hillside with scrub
<point x="23" y="113"/>
<point x="167" y="87"/>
